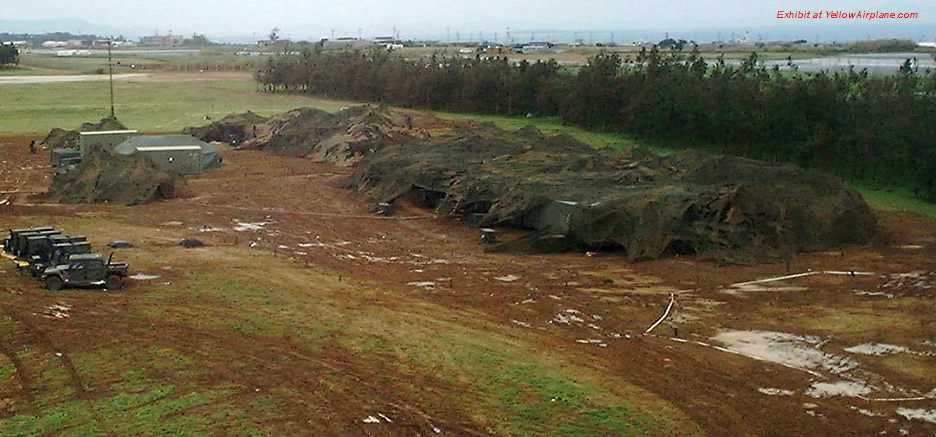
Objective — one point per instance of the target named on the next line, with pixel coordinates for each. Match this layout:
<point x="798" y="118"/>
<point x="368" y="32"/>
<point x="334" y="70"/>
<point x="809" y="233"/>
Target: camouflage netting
<point x="570" y="195"/>
<point x="232" y="129"/>
<point x="105" y="177"/>
<point x="59" y="138"/>
<point x="342" y="138"/>
<point x="575" y="197"/>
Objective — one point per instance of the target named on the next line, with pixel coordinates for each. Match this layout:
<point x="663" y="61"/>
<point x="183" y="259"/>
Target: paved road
<point x="21" y="80"/>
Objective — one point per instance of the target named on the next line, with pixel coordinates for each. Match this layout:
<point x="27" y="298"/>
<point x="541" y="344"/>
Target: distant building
<point x="346" y="43"/>
<point x="162" y="40"/>
<point x="175" y="154"/>
<point x="54" y="44"/>
<point x="279" y="43"/>
<point x="931" y="45"/>
<point x="537" y="46"/>
<point x="387" y="42"/>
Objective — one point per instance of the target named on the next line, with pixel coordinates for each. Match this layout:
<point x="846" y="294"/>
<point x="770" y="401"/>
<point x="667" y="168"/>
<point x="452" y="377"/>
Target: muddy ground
<point x="348" y="317"/>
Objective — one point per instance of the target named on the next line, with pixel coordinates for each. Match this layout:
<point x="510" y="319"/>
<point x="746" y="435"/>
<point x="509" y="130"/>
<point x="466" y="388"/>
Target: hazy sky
<point x="315" y="18"/>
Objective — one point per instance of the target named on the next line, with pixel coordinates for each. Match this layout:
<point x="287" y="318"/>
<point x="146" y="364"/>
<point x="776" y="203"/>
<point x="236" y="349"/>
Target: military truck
<point x="10" y="243"/>
<point x="86" y="270"/>
<point x="60" y="254"/>
<point x="31" y="240"/>
<point x="39" y="248"/>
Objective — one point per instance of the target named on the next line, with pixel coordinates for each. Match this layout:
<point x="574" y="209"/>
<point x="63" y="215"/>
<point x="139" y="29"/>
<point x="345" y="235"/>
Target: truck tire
<point x="53" y="283"/>
<point x="113" y="282"/>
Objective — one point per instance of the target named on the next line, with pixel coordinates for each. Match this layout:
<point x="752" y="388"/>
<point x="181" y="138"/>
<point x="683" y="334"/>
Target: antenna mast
<point x="110" y="73"/>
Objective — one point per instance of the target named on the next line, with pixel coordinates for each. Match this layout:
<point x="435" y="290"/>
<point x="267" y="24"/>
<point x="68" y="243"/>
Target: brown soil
<point x="717" y="390"/>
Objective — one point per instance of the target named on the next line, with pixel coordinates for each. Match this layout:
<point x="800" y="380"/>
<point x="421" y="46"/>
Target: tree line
<point x="9" y="54"/>
<point x="874" y="128"/>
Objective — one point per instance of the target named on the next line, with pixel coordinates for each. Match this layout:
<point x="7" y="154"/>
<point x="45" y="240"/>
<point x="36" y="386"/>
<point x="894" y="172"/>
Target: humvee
<point x="85" y="270"/>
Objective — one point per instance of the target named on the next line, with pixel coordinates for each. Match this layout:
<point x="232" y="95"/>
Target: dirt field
<point x="307" y="314"/>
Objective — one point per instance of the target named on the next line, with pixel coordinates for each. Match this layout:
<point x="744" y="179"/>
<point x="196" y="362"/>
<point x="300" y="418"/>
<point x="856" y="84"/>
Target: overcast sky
<point x="316" y="18"/>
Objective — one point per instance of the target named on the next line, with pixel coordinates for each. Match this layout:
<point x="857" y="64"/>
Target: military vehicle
<point x="39" y="247"/>
<point x="22" y="242"/>
<point x="9" y="244"/>
<point x="60" y="254"/>
<point x="85" y="270"/>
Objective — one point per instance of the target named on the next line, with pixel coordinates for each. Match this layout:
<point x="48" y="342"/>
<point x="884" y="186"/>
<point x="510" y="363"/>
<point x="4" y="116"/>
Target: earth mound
<point x="342" y="138"/>
<point x="106" y="177"/>
<point x="59" y="138"/>
<point x="232" y="129"/>
<point x="575" y="197"/>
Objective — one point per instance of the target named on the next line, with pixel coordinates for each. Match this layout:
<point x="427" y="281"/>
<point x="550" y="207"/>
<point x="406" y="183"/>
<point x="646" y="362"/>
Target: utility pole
<point x="110" y="74"/>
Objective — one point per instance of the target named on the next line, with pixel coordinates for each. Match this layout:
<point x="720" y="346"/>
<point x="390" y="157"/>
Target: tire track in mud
<point x="22" y="374"/>
<point x="268" y="363"/>
<point x="74" y="377"/>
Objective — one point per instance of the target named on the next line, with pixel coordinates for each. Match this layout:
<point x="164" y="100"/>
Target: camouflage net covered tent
<point x="106" y="177"/>
<point x="232" y="129"/>
<point x="571" y="196"/>
<point x="59" y="138"/>
<point x="575" y="197"/>
<point x="342" y="138"/>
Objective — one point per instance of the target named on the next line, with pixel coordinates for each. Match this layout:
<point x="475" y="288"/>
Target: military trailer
<point x="86" y="270"/>
<point x="106" y="140"/>
<point x="40" y="248"/>
<point x="60" y="254"/>
<point x="21" y="244"/>
<point x="9" y="244"/>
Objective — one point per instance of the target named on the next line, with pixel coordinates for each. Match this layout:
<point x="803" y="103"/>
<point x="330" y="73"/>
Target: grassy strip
<point x="898" y="199"/>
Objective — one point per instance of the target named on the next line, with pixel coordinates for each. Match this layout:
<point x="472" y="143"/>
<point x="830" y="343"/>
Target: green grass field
<point x="51" y="64"/>
<point x="166" y="106"/>
<point x="145" y="105"/>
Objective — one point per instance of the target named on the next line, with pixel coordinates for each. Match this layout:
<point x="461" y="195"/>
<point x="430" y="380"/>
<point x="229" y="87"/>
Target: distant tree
<point x="9" y="54"/>
<point x="198" y="40"/>
<point x="871" y="127"/>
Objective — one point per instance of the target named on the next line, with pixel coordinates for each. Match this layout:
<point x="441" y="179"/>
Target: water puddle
<point x="918" y="414"/>
<point x="801" y="352"/>
<point x="428" y="285"/>
<point x="143" y="277"/>
<point x="876" y="349"/>
<point x="775" y="391"/>
<point x="841" y="388"/>
<point x="240" y="226"/>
